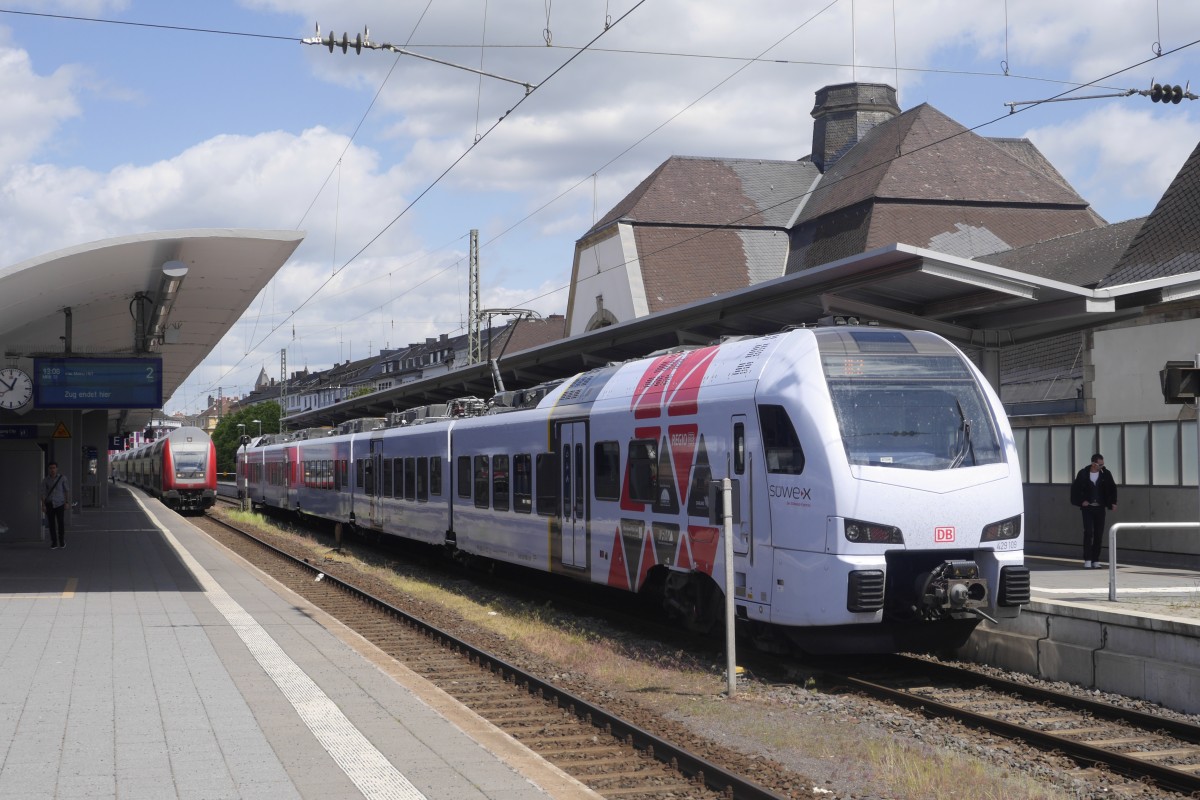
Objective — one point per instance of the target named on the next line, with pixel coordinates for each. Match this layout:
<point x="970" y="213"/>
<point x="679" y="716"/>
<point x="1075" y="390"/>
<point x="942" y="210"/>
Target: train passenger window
<point x="369" y="476"/>
<point x="482" y="481"/>
<point x="398" y="478"/>
<point x="422" y="480"/>
<point x="606" y="470"/>
<point x="387" y="477"/>
<point x="464" y="476"/>
<point x="547" y="484"/>
<point x="435" y="476"/>
<point x="780" y="443"/>
<point x="643" y="470"/>
<point x="522" y="483"/>
<point x="410" y="478"/>
<point x="500" y="482"/>
<point x="358" y="472"/>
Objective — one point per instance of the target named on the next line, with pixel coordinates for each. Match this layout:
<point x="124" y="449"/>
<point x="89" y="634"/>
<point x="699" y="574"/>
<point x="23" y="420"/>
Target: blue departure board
<point x="85" y="383"/>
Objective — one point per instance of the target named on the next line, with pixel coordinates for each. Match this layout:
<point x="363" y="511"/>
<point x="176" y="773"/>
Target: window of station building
<point x="1062" y="455"/>
<point x="781" y="445"/>
<point x="482" y="481"/>
<point x="1039" y="455"/>
<point x="1137" y="454"/>
<point x="606" y="470"/>
<point x="435" y="476"/>
<point x="410" y="478"/>
<point x="1164" y="449"/>
<point x="1112" y="448"/>
<point x="643" y="470"/>
<point x="422" y="479"/>
<point x="387" y="477"/>
<point x="522" y="483"/>
<point x="547" y="484"/>
<point x="500" y="482"/>
<point x="464" y="477"/>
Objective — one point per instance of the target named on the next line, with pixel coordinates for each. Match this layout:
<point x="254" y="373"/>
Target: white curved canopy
<point x="80" y="301"/>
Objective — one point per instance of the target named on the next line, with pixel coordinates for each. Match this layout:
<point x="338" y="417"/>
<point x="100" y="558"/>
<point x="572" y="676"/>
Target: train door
<point x="740" y="467"/>
<point x="573" y="450"/>
<point x="374" y="488"/>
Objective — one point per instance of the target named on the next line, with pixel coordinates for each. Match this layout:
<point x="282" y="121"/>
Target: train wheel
<point x="694" y="600"/>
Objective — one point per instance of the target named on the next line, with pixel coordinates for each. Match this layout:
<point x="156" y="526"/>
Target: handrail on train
<point x="1134" y="526"/>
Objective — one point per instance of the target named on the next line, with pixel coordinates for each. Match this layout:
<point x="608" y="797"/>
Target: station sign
<point x="93" y="383"/>
<point x="18" y="432"/>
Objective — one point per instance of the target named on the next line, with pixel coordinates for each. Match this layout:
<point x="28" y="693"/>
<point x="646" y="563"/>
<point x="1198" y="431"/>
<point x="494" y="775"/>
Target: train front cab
<point x="902" y="530"/>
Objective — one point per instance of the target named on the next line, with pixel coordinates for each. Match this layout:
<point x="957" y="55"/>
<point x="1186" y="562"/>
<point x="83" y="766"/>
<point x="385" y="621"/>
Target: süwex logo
<point x="793" y="494"/>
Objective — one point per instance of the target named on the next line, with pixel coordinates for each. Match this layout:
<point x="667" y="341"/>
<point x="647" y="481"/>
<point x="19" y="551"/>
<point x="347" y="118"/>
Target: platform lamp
<point x="259" y="421"/>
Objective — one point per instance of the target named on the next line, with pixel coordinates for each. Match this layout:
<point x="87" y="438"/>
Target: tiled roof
<point x="1169" y="241"/>
<point x="681" y="265"/>
<point x="717" y="192"/>
<point x="926" y="156"/>
<point x="1082" y="259"/>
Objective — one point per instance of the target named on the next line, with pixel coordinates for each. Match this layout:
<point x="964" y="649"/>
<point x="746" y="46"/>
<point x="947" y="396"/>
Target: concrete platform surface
<point x="1144" y="644"/>
<point x="144" y="661"/>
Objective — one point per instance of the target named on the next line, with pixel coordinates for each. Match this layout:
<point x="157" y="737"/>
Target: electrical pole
<point x="474" y="348"/>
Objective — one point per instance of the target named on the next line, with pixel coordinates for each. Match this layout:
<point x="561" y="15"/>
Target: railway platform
<point x="144" y="661"/>
<point x="1145" y="643"/>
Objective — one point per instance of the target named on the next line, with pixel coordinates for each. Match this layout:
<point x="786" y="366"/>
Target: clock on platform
<point x="16" y="388"/>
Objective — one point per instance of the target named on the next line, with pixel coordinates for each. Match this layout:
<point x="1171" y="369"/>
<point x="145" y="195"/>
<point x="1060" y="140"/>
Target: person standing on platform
<point x="55" y="495"/>
<point x="1095" y="492"/>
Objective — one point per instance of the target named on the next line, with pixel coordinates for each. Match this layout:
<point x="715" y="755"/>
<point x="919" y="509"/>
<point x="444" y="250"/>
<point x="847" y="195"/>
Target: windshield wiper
<point x="965" y="445"/>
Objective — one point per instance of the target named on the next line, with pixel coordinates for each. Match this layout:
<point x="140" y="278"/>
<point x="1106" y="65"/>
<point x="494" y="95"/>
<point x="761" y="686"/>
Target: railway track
<point x="613" y="757"/>
<point x="1130" y="742"/>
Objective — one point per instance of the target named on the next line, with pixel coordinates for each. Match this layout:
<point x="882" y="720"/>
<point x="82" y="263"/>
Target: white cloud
<point x="1117" y="154"/>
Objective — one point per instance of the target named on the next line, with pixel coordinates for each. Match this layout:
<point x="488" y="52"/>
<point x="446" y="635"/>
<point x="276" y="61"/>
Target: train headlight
<point x="1005" y="529"/>
<point x="872" y="533"/>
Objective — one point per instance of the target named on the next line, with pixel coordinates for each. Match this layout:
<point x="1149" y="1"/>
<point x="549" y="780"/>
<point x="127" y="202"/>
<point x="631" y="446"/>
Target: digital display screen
<point x="87" y="383"/>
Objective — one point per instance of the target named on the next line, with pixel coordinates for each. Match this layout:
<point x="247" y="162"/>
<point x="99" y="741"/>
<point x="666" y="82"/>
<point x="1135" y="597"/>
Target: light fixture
<point x="173" y="273"/>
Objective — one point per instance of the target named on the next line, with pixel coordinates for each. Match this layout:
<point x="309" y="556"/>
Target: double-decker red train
<point x="179" y="468"/>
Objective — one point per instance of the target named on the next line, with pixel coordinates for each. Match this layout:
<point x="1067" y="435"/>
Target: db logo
<point x="943" y="534"/>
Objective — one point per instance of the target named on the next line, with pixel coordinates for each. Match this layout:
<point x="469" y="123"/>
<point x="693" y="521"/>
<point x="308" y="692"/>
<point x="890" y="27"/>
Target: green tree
<point x="227" y="435"/>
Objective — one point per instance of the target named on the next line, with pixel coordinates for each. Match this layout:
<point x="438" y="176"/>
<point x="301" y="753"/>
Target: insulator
<point x="358" y="44"/>
<point x="330" y="42"/>
<point x="1176" y="94"/>
<point x="345" y="42"/>
<point x="1156" y="92"/>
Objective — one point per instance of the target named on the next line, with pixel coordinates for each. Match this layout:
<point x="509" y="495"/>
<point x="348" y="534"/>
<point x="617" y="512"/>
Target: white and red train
<point x="877" y="498"/>
<point x="179" y="468"/>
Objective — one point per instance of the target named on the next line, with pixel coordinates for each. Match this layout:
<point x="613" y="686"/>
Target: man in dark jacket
<point x="1094" y="491"/>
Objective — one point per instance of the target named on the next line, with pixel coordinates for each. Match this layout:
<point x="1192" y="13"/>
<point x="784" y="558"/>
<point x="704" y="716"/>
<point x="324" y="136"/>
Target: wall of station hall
<point x="28" y="442"/>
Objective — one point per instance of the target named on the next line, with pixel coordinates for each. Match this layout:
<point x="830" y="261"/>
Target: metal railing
<point x="1135" y="526"/>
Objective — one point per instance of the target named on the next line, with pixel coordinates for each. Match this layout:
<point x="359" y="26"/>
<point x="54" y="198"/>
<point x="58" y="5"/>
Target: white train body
<point x="877" y="496"/>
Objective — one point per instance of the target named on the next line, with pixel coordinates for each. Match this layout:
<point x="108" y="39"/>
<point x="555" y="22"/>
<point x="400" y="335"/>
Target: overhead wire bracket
<point x="363" y="41"/>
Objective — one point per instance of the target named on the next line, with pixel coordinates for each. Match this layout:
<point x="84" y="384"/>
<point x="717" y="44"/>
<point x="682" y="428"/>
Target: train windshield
<point x="911" y="411"/>
<point x="189" y="463"/>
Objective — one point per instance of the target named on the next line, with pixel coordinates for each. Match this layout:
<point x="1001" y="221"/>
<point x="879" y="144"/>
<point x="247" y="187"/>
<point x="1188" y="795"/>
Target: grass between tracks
<point x="840" y="753"/>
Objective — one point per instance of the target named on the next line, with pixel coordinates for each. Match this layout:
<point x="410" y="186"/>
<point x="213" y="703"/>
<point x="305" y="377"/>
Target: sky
<point x="130" y="116"/>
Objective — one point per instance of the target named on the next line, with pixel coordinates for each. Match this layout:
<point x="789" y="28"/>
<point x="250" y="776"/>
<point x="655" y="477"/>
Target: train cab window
<point x="780" y="443"/>
<point x="435" y="476"/>
<point x="522" y="483"/>
<point x="643" y="470"/>
<point x="422" y="480"/>
<point x="482" y="481"/>
<point x="387" y="478"/>
<point x="547" y="486"/>
<point x="464" y="476"/>
<point x="606" y="470"/>
<point x="500" y="482"/>
<point x="410" y="478"/>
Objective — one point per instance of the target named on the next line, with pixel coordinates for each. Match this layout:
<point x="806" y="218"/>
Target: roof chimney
<point x="844" y="114"/>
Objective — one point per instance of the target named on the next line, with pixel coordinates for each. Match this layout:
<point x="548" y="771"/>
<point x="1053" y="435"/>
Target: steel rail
<point x="689" y="764"/>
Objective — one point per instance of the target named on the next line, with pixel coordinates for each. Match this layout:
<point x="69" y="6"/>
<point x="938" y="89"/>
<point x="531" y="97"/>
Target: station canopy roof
<point x="974" y="305"/>
<point x="84" y="301"/>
